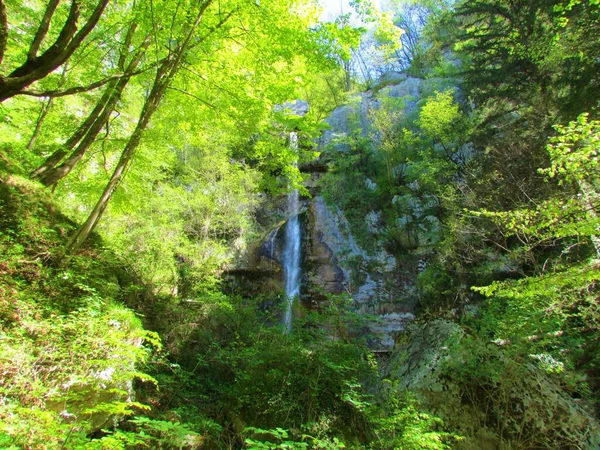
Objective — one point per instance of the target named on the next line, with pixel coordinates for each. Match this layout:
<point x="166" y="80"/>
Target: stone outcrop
<point x="296" y="108"/>
<point x="336" y="264"/>
<point x="478" y="391"/>
<point x="332" y="261"/>
<point x="356" y="114"/>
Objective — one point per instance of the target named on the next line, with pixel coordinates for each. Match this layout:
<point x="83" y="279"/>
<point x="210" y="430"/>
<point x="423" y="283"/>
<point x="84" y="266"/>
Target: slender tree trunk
<point x="38" y="125"/>
<point x="55" y="158"/>
<point x="3" y="30"/>
<point x="42" y="30"/>
<point x="163" y="79"/>
<point x="347" y="76"/>
<point x="150" y="106"/>
<point x="45" y="110"/>
<point x="50" y="172"/>
<point x="83" y="232"/>
<point x="590" y="199"/>
<point x="52" y="175"/>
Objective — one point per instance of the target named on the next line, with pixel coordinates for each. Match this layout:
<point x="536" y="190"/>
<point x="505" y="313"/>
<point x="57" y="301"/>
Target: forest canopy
<point x="442" y="157"/>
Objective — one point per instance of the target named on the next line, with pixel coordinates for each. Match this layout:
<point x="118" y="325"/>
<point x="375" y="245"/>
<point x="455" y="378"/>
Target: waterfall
<point x="291" y="251"/>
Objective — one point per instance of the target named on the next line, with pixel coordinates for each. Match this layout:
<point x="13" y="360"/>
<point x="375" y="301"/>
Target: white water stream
<point x="291" y="251"/>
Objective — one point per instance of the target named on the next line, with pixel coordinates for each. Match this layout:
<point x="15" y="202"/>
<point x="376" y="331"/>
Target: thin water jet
<point x="291" y="251"/>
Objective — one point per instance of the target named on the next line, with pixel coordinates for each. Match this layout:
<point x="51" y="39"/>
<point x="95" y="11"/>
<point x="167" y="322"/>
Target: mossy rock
<point x="486" y="396"/>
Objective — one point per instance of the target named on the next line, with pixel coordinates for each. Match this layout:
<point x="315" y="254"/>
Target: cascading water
<point x="291" y="251"/>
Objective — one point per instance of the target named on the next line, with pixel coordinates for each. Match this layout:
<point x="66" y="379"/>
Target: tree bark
<point x="3" y="30"/>
<point x="38" y="125"/>
<point x="148" y="110"/>
<point x="590" y="199"/>
<point x="347" y="76"/>
<point x="52" y="175"/>
<point x="42" y="30"/>
<point x="164" y="76"/>
<point x="56" y="55"/>
<point x="44" y="112"/>
<point x="49" y="173"/>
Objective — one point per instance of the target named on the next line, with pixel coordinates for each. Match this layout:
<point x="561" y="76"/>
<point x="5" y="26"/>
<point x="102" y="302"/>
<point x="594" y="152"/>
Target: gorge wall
<point x="380" y="284"/>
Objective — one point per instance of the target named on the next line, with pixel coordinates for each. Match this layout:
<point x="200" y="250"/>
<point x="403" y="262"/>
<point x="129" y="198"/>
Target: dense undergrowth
<point x="80" y="371"/>
<point x="70" y="348"/>
<point x="494" y="183"/>
<point x="489" y="176"/>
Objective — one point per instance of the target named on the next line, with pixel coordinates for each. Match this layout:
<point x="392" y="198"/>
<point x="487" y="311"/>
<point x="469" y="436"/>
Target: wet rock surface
<point x="332" y="261"/>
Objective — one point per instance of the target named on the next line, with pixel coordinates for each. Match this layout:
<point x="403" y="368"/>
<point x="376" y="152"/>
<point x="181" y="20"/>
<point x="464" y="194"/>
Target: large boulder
<point x="391" y="77"/>
<point x="483" y="394"/>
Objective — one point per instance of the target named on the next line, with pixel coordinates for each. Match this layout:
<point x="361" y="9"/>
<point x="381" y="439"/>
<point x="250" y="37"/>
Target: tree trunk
<point x="42" y="30"/>
<point x="38" y="125"/>
<point x="53" y="175"/>
<point x="55" y="158"/>
<point x="3" y="30"/>
<point x="148" y="110"/>
<point x="45" y="110"/>
<point x="163" y="79"/>
<point x="590" y="199"/>
<point x="48" y="173"/>
<point x="38" y="67"/>
<point x="347" y="76"/>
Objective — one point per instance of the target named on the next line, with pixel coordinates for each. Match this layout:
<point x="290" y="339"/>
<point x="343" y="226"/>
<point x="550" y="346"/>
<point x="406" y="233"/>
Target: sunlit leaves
<point x="439" y="115"/>
<point x="575" y="151"/>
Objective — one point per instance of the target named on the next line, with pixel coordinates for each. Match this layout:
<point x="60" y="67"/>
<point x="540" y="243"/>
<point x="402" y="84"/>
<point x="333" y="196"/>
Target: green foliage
<point x="519" y="404"/>
<point x="280" y="439"/>
<point x="573" y="161"/>
<point x="403" y="426"/>
<point x="263" y="380"/>
<point x="555" y="310"/>
<point x="574" y="152"/>
<point x="165" y="434"/>
<point x="439" y="115"/>
<point x="317" y="388"/>
<point x="69" y="350"/>
<point x="399" y="172"/>
<point x="339" y="37"/>
<point x="345" y="185"/>
<point x="525" y="50"/>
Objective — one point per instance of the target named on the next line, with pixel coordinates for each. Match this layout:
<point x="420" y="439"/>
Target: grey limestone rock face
<point x="415" y="362"/>
<point x="330" y="243"/>
<point x="342" y="121"/>
<point x="389" y="325"/>
<point x="295" y="108"/>
<point x="373" y="220"/>
<point x="333" y="253"/>
<point x="390" y="77"/>
<point x="525" y="405"/>
<point x="408" y="87"/>
<point x="334" y="228"/>
<point x="356" y="115"/>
